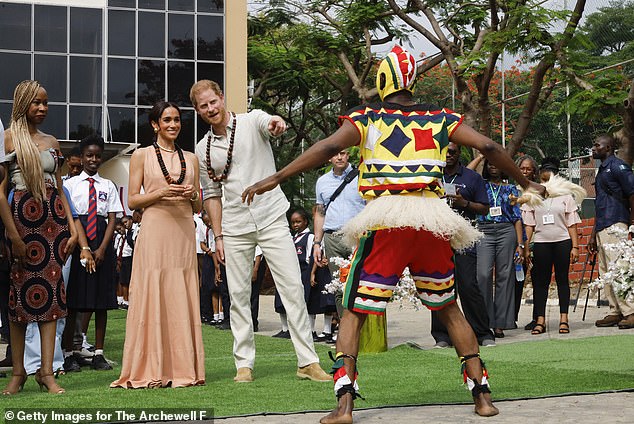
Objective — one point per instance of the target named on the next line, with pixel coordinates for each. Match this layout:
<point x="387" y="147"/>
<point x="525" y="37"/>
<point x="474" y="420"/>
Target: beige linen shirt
<point x="252" y="161"/>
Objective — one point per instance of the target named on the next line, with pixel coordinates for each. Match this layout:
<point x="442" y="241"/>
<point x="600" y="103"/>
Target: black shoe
<point x="530" y="325"/>
<point x="323" y="337"/>
<point x="99" y="363"/>
<point x="71" y="365"/>
<point x="82" y="361"/>
<point x="225" y="325"/>
<point x="283" y="335"/>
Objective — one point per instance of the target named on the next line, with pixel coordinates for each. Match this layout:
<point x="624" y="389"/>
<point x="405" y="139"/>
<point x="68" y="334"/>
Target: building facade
<point x="105" y="62"/>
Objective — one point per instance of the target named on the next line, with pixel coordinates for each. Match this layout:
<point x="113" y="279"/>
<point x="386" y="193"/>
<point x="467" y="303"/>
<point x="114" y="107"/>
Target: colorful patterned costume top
<point x="403" y="149"/>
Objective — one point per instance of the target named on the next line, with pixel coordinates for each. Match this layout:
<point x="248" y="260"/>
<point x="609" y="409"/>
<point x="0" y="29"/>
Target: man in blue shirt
<point x="614" y="206"/>
<point x="331" y="215"/>
<point x="467" y="195"/>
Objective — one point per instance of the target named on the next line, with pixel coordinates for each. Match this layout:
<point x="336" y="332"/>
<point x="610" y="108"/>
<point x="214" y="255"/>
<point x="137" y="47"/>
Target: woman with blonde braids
<point x="40" y="229"/>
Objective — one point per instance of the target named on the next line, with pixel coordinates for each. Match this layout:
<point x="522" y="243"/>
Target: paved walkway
<point x="406" y="325"/>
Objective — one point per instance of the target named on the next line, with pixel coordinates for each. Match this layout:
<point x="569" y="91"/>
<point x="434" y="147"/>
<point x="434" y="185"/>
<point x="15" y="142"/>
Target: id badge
<point x="495" y="211"/>
<point x="450" y="189"/>
<point x="548" y="219"/>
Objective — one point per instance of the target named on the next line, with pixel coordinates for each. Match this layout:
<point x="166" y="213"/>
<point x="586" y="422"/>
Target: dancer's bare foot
<point x="483" y="405"/>
<point x="342" y="414"/>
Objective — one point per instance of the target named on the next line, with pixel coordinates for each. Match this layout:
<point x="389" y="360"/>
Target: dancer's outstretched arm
<point x="346" y="136"/>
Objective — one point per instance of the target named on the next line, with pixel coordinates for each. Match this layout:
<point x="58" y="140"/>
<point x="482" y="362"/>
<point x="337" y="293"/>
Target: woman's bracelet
<point x="219" y="237"/>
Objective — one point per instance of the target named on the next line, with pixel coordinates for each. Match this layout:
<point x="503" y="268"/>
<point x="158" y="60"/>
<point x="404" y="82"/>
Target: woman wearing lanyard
<point x="501" y="245"/>
<point x="554" y="227"/>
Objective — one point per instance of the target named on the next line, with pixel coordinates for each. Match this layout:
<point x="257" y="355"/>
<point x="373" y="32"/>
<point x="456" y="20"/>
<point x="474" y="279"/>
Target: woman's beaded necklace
<point x="166" y="174"/>
<point x="210" y="170"/>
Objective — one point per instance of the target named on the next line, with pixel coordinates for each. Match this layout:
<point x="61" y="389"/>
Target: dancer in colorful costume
<point x="406" y="223"/>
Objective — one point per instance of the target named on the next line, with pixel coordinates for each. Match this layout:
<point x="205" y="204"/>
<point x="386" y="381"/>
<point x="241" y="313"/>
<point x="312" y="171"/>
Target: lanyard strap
<point x="452" y="180"/>
<point x="494" y="193"/>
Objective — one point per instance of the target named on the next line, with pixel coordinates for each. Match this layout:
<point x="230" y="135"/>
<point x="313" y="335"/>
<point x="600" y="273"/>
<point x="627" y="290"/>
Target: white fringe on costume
<point x="556" y="186"/>
<point x="415" y="211"/>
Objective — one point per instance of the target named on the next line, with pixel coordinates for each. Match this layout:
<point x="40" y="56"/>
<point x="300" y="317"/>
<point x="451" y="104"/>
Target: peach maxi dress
<point x="163" y="342"/>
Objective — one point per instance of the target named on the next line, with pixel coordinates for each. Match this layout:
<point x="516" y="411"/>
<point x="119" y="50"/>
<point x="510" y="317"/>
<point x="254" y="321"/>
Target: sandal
<point x="538" y="329"/>
<point x="47" y="381"/>
<point x="564" y="328"/>
<point x="15" y="385"/>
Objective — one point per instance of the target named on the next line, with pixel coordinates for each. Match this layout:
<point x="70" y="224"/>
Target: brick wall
<point x="584" y="229"/>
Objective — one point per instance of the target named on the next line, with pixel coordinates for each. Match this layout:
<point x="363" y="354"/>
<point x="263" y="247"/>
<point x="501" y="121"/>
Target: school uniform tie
<point x="91" y="224"/>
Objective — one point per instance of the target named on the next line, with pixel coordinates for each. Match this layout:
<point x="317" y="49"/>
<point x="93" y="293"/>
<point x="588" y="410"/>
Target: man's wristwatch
<point x="521" y="246"/>
<point x="317" y="243"/>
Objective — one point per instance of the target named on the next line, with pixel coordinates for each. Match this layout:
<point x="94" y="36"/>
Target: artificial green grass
<point x="401" y="376"/>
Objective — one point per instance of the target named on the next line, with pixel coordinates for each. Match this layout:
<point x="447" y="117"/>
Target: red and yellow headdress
<point x="396" y="72"/>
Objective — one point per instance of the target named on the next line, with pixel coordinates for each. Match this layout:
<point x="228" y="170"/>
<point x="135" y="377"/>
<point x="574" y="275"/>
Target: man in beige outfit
<point x="225" y="170"/>
<point x="614" y="206"/>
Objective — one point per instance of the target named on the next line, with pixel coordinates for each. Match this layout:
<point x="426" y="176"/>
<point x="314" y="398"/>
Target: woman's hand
<point x="99" y="255"/>
<point x="519" y="255"/>
<point x="188" y="191"/>
<point x="86" y="255"/>
<point x="18" y="251"/>
<point x="172" y="190"/>
<point x="70" y="245"/>
<point x="574" y="254"/>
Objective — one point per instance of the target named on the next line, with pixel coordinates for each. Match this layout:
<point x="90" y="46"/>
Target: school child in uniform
<point x="303" y="239"/>
<point x="92" y="286"/>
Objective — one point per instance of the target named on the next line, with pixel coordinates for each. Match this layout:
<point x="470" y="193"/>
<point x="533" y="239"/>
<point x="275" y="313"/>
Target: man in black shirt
<point x="614" y="206"/>
<point x="467" y="195"/>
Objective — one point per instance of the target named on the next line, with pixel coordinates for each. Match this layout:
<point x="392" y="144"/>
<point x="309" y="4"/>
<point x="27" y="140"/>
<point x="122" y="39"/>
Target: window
<point x="50" y="28"/>
<point x="152" y="4"/>
<point x="10" y="76"/>
<point x="184" y="5"/>
<point x="211" y="6"/>
<point x="121" y="126"/>
<point x="151" y="81"/>
<point x="121" y="33"/>
<point x="180" y="77"/>
<point x="180" y="36"/>
<point x="121" y="81"/>
<point x="85" y="75"/>
<point x="186" y="137"/>
<point x="55" y="122"/>
<point x="151" y="34"/>
<point x="15" y="26"/>
<point x="210" y="38"/>
<point x="211" y="71"/>
<point x="50" y="71"/>
<point x="83" y="121"/>
<point x="85" y="30"/>
<point x="145" y="134"/>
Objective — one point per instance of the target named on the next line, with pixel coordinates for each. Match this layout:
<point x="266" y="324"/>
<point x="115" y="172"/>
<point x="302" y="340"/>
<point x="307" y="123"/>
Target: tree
<point x="470" y="35"/>
<point x="602" y="57"/>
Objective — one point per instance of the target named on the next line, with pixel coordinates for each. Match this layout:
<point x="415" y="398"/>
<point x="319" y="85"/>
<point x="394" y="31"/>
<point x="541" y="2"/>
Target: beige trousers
<point x="278" y="249"/>
<point x="617" y="305"/>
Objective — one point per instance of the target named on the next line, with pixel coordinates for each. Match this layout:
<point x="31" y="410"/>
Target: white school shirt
<point x="107" y="194"/>
<point x="206" y="236"/>
<point x="198" y="221"/>
<point x="252" y="161"/>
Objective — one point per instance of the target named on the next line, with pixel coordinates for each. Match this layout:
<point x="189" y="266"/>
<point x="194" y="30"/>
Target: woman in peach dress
<point x="163" y="343"/>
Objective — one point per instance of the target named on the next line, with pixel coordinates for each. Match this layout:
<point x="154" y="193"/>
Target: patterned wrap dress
<point x="36" y="292"/>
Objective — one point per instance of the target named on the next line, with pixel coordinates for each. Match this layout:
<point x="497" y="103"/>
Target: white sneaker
<point x="85" y="353"/>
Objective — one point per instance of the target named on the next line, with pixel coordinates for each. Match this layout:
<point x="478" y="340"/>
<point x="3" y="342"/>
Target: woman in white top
<point x="554" y="227"/>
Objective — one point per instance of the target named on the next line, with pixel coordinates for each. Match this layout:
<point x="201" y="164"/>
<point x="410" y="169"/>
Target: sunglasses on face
<point x="452" y="152"/>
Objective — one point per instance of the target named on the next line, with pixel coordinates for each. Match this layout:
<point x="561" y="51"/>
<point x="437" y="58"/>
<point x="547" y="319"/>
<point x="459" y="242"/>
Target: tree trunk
<point x="626" y="135"/>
